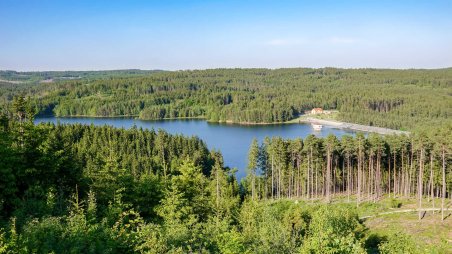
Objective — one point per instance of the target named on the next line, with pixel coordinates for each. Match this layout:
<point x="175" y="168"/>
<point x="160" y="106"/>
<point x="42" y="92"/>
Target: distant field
<point x="48" y="76"/>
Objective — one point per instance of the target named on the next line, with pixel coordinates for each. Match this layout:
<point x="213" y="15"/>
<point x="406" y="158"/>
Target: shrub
<point x="373" y="241"/>
<point x="334" y="230"/>
<point x="398" y="243"/>
<point x="394" y="203"/>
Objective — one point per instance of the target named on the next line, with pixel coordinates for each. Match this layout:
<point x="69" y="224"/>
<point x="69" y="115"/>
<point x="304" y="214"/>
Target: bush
<point x="44" y="236"/>
<point x="394" y="203"/>
<point x="373" y="241"/>
<point x="334" y="230"/>
<point x="398" y="243"/>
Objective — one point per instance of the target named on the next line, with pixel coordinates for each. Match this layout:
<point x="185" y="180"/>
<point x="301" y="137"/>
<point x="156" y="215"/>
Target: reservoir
<point x="232" y="140"/>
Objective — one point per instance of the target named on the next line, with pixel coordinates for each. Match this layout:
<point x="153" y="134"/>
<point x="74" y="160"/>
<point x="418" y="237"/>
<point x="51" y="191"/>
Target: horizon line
<point x="233" y="68"/>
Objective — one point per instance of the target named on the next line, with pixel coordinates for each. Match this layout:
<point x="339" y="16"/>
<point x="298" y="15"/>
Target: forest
<point x="88" y="189"/>
<point x="34" y="77"/>
<point x="366" y="168"/>
<point x="398" y="99"/>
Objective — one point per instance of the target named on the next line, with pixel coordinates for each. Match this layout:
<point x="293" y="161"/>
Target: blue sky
<point x="174" y="35"/>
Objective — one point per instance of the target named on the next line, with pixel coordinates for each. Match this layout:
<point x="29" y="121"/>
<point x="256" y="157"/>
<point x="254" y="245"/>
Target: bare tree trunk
<point x="444" y="183"/>
<point x="273" y="182"/>
<point x="348" y="178"/>
<point x="344" y="180"/>
<point x="404" y="187"/>
<point x="328" y="176"/>
<point x="420" y="185"/>
<point x="431" y="182"/>
<point x="298" y="178"/>
<point x="353" y="177"/>
<point x="279" y="181"/>
<point x="289" y="188"/>
<point x="309" y="172"/>
<point x="312" y="181"/>
<point x="358" y="199"/>
<point x="410" y="174"/>
<point x="389" y="176"/>
<point x="316" y="182"/>
<point x="378" y="177"/>
<point x="395" y="179"/>
<point x="259" y="190"/>
<point x="371" y="173"/>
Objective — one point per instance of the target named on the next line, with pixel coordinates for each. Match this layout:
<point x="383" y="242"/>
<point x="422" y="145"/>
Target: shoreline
<point x="353" y="126"/>
<point x="305" y="120"/>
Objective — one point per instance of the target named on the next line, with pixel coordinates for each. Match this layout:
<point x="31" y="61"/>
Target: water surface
<point x="232" y="140"/>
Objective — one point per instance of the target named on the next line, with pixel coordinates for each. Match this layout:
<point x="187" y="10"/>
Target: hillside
<point x="398" y="99"/>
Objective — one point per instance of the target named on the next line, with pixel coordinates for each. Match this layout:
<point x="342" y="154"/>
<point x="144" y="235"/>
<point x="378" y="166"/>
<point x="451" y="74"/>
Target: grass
<point x="334" y="115"/>
<point x="298" y="119"/>
<point x="430" y="234"/>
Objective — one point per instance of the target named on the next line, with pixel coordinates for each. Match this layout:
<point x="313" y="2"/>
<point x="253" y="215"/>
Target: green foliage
<point x="323" y="167"/>
<point x="231" y="242"/>
<point x="151" y="239"/>
<point x="51" y="76"/>
<point x="398" y="243"/>
<point x="5" y="244"/>
<point x="334" y="231"/>
<point x="394" y="203"/>
<point x="87" y="189"/>
<point x="385" y="98"/>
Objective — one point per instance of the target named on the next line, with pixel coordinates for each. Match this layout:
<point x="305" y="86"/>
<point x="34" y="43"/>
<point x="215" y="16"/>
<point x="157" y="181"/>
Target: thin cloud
<point x="342" y="40"/>
<point x="296" y="42"/>
<point x="285" y="42"/>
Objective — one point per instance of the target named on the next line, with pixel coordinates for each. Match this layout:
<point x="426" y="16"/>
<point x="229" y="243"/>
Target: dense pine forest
<point x="87" y="189"/>
<point x="366" y="168"/>
<point x="398" y="99"/>
<point x="229" y="127"/>
<point x="35" y="77"/>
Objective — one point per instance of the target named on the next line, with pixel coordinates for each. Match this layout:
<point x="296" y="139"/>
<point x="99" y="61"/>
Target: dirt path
<point x="352" y="126"/>
<point x="406" y="211"/>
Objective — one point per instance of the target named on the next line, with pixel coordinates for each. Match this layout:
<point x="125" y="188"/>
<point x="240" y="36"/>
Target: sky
<point x="179" y="35"/>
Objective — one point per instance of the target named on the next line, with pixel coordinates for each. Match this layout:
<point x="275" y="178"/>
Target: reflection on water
<point x="232" y="140"/>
